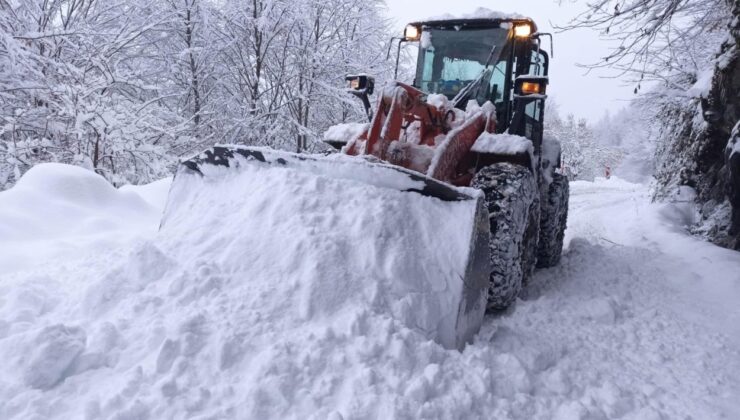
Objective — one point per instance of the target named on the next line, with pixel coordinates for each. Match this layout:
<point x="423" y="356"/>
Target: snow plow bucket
<point x="346" y="232"/>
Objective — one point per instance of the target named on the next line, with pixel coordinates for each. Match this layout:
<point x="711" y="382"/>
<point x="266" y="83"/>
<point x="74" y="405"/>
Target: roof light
<point x="412" y="33"/>
<point x="522" y="30"/>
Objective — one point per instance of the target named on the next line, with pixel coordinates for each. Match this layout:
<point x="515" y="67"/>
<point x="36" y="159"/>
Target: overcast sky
<point x="585" y="95"/>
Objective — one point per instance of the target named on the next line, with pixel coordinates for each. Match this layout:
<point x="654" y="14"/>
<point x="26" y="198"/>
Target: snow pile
<point x="53" y="202"/>
<point x="345" y="132"/>
<point x="336" y="243"/>
<point x="155" y="193"/>
<point x="439" y="101"/>
<point x="502" y="144"/>
<point x="478" y="13"/>
<point x="270" y="293"/>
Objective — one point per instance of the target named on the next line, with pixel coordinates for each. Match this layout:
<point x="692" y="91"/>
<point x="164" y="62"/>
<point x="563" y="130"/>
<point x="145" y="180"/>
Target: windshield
<point x="451" y="59"/>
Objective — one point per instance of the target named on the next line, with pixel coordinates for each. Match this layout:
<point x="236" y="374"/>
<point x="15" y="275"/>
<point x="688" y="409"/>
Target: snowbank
<point x="345" y="132"/>
<point x="270" y="293"/>
<point x="154" y="193"/>
<point x="56" y="210"/>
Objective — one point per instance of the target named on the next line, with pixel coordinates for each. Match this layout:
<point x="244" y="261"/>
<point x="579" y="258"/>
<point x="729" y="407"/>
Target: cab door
<point x="534" y="109"/>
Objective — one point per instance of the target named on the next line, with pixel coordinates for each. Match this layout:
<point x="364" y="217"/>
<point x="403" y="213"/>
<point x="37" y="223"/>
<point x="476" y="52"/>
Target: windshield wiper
<point x="475" y="83"/>
<point x="490" y="57"/>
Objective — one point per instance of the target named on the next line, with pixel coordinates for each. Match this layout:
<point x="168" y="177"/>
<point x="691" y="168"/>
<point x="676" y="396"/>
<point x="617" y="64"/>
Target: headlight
<point x="412" y="33"/>
<point x="522" y="30"/>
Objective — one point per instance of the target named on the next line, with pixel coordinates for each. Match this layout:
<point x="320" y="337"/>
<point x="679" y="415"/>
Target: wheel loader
<point x="468" y="127"/>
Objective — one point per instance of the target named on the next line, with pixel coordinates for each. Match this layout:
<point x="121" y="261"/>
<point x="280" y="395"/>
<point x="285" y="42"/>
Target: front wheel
<point x="513" y="206"/>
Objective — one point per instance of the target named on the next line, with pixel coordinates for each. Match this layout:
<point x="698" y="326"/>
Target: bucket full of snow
<point x="317" y="237"/>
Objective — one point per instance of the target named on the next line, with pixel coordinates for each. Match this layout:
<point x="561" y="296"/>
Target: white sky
<point x="585" y="95"/>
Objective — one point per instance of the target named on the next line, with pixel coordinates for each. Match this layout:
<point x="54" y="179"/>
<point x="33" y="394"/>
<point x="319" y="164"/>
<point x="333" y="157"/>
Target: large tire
<point x="554" y="210"/>
<point x="512" y="200"/>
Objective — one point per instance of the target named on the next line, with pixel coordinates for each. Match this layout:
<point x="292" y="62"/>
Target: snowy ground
<point x="639" y="320"/>
<point x="101" y="317"/>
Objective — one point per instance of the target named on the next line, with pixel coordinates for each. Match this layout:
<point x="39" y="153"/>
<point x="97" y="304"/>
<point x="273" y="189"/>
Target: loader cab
<point x="497" y="60"/>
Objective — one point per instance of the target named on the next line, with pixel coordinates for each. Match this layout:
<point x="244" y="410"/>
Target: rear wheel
<point x="513" y="206"/>
<point x="552" y="225"/>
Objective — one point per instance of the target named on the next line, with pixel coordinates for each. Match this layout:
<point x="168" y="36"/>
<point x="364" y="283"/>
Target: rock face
<point x="701" y="146"/>
<point x="721" y="111"/>
<point x="732" y="159"/>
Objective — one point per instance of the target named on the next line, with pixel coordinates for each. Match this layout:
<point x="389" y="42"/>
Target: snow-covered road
<point x="639" y="321"/>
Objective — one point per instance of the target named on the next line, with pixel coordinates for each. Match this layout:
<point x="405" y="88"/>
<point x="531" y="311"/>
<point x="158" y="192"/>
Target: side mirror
<point x="530" y="85"/>
<point x="538" y="36"/>
<point x="360" y="84"/>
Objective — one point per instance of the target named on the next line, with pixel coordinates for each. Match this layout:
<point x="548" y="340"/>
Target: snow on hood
<point x="502" y="144"/>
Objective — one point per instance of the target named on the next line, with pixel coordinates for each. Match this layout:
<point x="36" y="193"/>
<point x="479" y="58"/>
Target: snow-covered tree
<point x="285" y="66"/>
<point x="582" y="156"/>
<point x="629" y="140"/>
<point x="127" y="88"/>
<point x="75" y="88"/>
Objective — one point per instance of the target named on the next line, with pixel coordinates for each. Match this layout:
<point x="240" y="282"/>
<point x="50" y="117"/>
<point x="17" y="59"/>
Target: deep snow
<point x="102" y="317"/>
<point x="332" y="251"/>
<point x="59" y="210"/>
